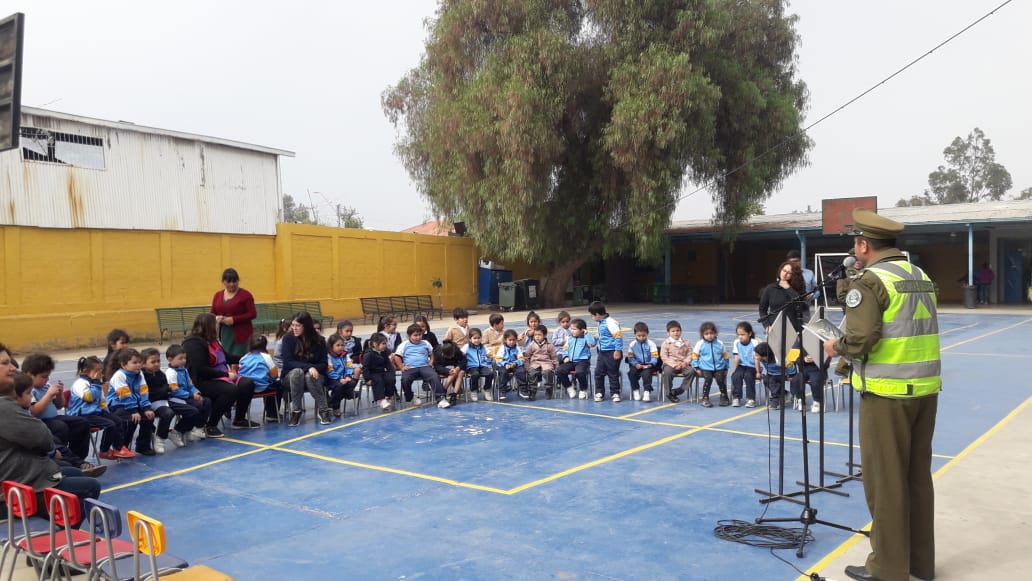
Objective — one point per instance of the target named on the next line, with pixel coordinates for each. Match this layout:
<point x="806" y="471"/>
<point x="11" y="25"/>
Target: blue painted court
<point x="568" y="489"/>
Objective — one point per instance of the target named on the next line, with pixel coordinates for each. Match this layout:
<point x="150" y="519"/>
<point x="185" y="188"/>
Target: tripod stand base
<point x="825" y="488"/>
<point x="809" y="517"/>
<point x="773" y="496"/>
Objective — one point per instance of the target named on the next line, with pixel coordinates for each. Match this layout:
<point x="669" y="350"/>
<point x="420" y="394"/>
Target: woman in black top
<point x="777" y="295"/>
<point x="214" y="378"/>
<point x="304" y="366"/>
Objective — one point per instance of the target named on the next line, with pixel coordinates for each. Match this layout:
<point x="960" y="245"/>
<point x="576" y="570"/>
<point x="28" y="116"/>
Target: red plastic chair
<point x="65" y="511"/>
<point x="21" y="504"/>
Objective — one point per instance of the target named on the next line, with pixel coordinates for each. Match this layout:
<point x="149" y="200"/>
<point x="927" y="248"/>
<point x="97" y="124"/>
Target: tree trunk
<point x="553" y="291"/>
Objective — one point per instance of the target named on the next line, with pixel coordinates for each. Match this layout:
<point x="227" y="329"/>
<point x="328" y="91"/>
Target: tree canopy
<point x="971" y="174"/>
<point x="294" y="213"/>
<point x="565" y="129"/>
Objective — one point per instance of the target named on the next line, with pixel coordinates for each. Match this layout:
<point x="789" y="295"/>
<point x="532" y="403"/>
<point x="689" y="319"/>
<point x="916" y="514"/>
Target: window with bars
<point x="48" y="146"/>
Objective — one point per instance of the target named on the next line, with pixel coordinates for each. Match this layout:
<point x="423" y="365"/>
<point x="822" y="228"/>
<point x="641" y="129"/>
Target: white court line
<point x="959" y="328"/>
<point x="1010" y="355"/>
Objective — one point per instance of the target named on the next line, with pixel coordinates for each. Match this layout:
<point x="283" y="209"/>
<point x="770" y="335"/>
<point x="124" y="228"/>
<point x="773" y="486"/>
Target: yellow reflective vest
<point x="905" y="363"/>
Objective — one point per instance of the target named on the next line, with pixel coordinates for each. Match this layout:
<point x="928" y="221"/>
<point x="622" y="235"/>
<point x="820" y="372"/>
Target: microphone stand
<point x="808" y="516"/>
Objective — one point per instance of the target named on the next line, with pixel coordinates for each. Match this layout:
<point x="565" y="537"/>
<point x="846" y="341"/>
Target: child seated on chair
<point x="415" y="359"/>
<point x="128" y="398"/>
<point x="450" y="363"/>
<point x="642" y="360"/>
<point x="88" y="402"/>
<point x="47" y="398"/>
<point x="493" y="334"/>
<point x="525" y="338"/>
<point x="809" y="374"/>
<point x="562" y="331"/>
<point x="745" y="370"/>
<point x="458" y="333"/>
<point x="342" y="374"/>
<point x="710" y="360"/>
<point x="258" y="366"/>
<point x="182" y="390"/>
<point x="774" y="375"/>
<point x="676" y="354"/>
<point x="160" y="397"/>
<point x="352" y="344"/>
<point x="541" y="360"/>
<point x="478" y="366"/>
<point x="379" y="372"/>
<point x="576" y="357"/>
<point x="509" y="363"/>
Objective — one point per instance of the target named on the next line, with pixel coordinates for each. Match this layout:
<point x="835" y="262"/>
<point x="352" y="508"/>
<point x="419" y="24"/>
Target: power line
<point x="803" y="131"/>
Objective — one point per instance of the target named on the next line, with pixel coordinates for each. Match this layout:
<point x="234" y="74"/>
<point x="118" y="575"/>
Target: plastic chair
<point x="65" y="512"/>
<point x="21" y="505"/>
<point x="149" y="539"/>
<point x="105" y="523"/>
<point x="95" y="432"/>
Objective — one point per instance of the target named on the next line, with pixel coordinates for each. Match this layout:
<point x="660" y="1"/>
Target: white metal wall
<point x="149" y="182"/>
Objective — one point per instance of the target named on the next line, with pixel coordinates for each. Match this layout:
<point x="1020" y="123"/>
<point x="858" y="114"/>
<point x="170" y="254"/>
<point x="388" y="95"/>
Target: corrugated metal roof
<point x="129" y="126"/>
<point x="955" y="214"/>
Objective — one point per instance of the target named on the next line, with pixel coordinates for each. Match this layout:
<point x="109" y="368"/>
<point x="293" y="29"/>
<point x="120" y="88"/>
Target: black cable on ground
<point x="764" y="536"/>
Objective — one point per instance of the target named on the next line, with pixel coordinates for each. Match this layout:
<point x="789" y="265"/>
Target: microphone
<point x="840" y="270"/>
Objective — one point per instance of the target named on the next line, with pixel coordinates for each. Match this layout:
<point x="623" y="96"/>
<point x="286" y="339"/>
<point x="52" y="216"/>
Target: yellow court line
<point x="848" y="543"/>
<point x="182" y="470"/>
<point x="392" y="470"/>
<point x="648" y="410"/>
<point x="618" y="455"/>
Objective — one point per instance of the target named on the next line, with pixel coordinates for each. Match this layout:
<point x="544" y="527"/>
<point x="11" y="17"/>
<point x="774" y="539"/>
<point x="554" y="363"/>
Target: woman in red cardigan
<point x="234" y="310"/>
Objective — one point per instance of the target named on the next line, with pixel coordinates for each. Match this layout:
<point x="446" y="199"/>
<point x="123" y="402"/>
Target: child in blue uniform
<point x="610" y="351"/>
<point x="642" y="362"/>
<point x="709" y="358"/>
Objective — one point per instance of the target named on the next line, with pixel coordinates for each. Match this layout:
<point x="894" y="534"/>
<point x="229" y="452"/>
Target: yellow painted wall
<point x="69" y="287"/>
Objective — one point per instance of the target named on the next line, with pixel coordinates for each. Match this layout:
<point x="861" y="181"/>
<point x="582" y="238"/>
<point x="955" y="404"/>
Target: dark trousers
<point x="146" y="428"/>
<point x="478" y="373"/>
<point x="382" y="383"/>
<point x="535" y="374"/>
<point x="896" y="453"/>
<point x="743" y="375"/>
<point x="203" y="408"/>
<point x="634" y="375"/>
<point x="607" y="366"/>
<point x="189" y="418"/>
<point x="245" y="393"/>
<point x="811" y="376"/>
<point x="774" y="386"/>
<point x="114" y="429"/>
<point x="427" y="374"/>
<point x="74" y="482"/>
<point x="222" y="395"/>
<point x="72" y="431"/>
<point x="341" y="391"/>
<point x="580" y="371"/>
<point x="708" y="376"/>
<point x="506" y="375"/>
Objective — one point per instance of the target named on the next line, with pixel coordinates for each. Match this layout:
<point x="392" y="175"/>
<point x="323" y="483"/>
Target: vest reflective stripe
<point x="905" y="361"/>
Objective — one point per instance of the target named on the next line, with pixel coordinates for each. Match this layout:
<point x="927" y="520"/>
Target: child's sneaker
<point x="473" y="396"/>
<point x="444" y="404"/>
<point x="616" y="398"/>
<point x="736" y="402"/>
<point x="109" y="455"/>
<point x="797" y="405"/>
<point x="385" y="404"/>
<point x="214" y="432"/>
<point x="159" y="445"/>
<point x="453" y="399"/>
<point x="647" y="396"/>
<point x="488" y="396"/>
<point x="176" y="438"/>
<point x="599" y="396"/>
<point x="636" y="394"/>
<point x="295" y="418"/>
<point x="197" y="434"/>
<point x="417" y="401"/>
<point x="124" y="453"/>
<point x="706" y="403"/>
<point x="571" y="392"/>
<point x="815" y="408"/>
<point x="750" y="403"/>
<point x="582" y="395"/>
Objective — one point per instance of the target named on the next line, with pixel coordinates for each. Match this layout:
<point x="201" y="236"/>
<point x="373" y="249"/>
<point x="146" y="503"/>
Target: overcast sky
<point x="307" y="77"/>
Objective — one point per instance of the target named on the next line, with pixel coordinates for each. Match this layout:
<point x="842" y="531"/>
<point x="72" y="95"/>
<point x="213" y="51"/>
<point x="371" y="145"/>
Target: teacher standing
<point x="234" y="310"/>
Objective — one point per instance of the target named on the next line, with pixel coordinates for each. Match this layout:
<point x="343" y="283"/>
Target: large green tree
<point x="562" y="130"/>
<point x="971" y="174"/>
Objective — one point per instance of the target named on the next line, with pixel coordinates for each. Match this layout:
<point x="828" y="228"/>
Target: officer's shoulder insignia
<point x="853" y="298"/>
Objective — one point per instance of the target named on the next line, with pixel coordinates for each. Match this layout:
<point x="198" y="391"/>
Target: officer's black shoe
<point x="859" y="572"/>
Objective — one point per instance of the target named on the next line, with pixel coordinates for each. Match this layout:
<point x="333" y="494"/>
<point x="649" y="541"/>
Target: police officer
<point x="892" y="338"/>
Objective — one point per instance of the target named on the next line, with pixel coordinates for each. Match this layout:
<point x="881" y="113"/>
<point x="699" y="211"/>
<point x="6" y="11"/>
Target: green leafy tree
<point x="971" y="173"/>
<point x="348" y="217"/>
<point x="1026" y="194"/>
<point x="294" y="213"/>
<point x="565" y="129"/>
<point x="915" y="200"/>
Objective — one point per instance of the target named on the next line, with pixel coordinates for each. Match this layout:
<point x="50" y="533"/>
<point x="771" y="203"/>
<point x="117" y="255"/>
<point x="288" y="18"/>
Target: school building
<point x="950" y="242"/>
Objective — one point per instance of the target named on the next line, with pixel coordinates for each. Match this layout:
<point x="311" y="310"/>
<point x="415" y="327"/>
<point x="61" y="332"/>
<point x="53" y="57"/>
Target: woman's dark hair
<point x="120" y="358"/>
<point x="795" y="280"/>
<point x="230" y="275"/>
<point x="88" y="364"/>
<point x="309" y="336"/>
<point x="258" y="342"/>
<point x="37" y="363"/>
<point x="204" y="327"/>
